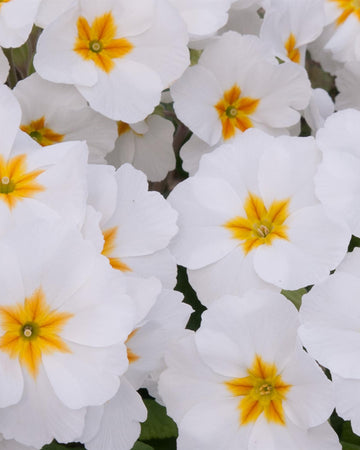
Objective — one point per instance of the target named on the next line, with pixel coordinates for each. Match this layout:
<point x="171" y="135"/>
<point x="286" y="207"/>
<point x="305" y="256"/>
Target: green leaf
<point x="348" y="438"/>
<point x="56" y="446"/>
<point x="190" y="298"/>
<point x="347" y="446"/>
<point x="355" y="242"/>
<point x="141" y="446"/>
<point x="158" y="425"/>
<point x="295" y="296"/>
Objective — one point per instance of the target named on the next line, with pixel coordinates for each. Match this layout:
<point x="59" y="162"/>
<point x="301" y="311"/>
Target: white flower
<point x="320" y="108"/>
<point x="229" y="91"/>
<point x="289" y="25"/>
<point x="250" y="215"/>
<point x="119" y="55"/>
<point x="36" y="181"/>
<point x="243" y="380"/>
<point x="135" y="225"/>
<point x="64" y="318"/>
<point x="53" y="113"/>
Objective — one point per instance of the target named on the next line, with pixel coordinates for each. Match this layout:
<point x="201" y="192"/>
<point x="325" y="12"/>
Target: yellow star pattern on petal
<point x="98" y="43"/>
<point x="263" y="392"/>
<point x="42" y="134"/>
<point x="292" y="52"/>
<point x="261" y="225"/>
<point x="31" y="330"/>
<point x="349" y="7"/>
<point x="234" y="111"/>
<point x="16" y="183"/>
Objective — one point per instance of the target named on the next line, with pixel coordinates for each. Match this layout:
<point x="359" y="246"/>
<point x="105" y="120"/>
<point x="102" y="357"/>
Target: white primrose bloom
<point x="120" y="55"/>
<point x="147" y="145"/>
<point x="4" y="67"/>
<point x="64" y="318"/>
<point x="243" y="381"/>
<point x="157" y="326"/>
<point x="320" y="108"/>
<point x="250" y="215"/>
<point x="289" y="25"/>
<point x="337" y="181"/>
<point x="135" y="225"/>
<point x="53" y="113"/>
<point x="347" y="82"/>
<point x="16" y="21"/>
<point x="229" y="91"/>
<point x="343" y="31"/>
<point x="36" y="181"/>
<point x="330" y="316"/>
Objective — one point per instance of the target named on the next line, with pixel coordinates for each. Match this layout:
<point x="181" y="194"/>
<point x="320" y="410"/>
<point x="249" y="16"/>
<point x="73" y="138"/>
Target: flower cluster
<point x="157" y="149"/>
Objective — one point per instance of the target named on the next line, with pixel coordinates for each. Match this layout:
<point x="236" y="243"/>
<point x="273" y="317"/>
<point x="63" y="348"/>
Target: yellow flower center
<point x="261" y="225"/>
<point x="348" y="7"/>
<point x="234" y="111"/>
<point x="16" y="183"/>
<point x="263" y="392"/>
<point x="41" y="134"/>
<point x="110" y="246"/>
<point x="31" y="330"/>
<point x="292" y="52"/>
<point x="98" y="43"/>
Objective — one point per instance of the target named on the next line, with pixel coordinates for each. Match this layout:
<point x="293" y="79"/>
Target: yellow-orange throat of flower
<point x="31" y="330"/>
<point x="292" y="52"/>
<point x="98" y="43"/>
<point x="41" y="134"/>
<point x="3" y="1"/>
<point x="132" y="357"/>
<point x="16" y="183"/>
<point x="261" y="225"/>
<point x="234" y="111"/>
<point x="110" y="246"/>
<point x="262" y="391"/>
<point x="348" y="7"/>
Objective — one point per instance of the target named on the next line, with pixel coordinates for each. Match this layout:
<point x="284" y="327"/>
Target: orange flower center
<point x="41" y="134"/>
<point x="263" y="392"/>
<point x="31" y="330"/>
<point x="16" y="183"/>
<point x="98" y="43"/>
<point x="261" y="225"/>
<point x="234" y="111"/>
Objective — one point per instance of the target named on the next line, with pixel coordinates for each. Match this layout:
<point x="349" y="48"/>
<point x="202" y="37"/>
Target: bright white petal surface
<point x="10" y="116"/>
<point x="306" y="257"/>
<point x="330" y="320"/>
<point x="233" y="274"/>
<point x="4" y="67"/>
<point x="229" y="337"/>
<point x="85" y="376"/>
<point x="146" y="221"/>
<point x="347" y="394"/>
<point x="49" y="417"/>
<point x="120" y="423"/>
